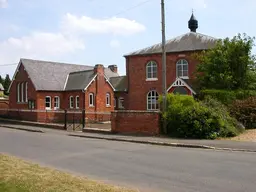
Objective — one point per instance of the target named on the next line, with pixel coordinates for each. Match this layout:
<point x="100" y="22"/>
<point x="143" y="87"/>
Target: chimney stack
<point x="99" y="68"/>
<point x="113" y="68"/>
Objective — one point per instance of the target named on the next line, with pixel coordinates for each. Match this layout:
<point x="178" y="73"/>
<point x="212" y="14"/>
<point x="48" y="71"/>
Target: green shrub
<point x="187" y="118"/>
<point x="245" y="111"/>
<point x="226" y="96"/>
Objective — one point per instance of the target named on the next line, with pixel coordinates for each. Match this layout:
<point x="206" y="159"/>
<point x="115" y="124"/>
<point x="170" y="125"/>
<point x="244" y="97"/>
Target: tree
<point x="229" y="65"/>
<point x="7" y="82"/>
<point x="1" y="80"/>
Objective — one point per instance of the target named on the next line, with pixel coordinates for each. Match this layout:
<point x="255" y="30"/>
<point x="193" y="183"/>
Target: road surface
<point x="144" y="167"/>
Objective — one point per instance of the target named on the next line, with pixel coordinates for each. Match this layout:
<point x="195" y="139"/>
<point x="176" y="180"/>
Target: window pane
<point x="185" y="73"/>
<point x="185" y="67"/>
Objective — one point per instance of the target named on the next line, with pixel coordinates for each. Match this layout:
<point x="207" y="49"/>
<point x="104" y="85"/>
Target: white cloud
<point x="68" y="39"/>
<point x="37" y="45"/>
<point x="114" y="25"/>
<point x="114" y="44"/>
<point x="3" y="3"/>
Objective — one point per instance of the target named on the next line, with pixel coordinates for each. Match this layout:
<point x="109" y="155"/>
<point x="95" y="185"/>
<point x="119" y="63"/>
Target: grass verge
<point x="17" y="175"/>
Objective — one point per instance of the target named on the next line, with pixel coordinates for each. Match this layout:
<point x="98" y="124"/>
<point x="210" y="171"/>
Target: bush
<point x="226" y="96"/>
<point x="187" y="118"/>
<point x="245" y="111"/>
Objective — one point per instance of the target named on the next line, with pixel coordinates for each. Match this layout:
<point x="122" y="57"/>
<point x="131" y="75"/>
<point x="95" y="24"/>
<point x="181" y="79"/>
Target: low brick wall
<point x="4" y="103"/>
<point x="135" y="122"/>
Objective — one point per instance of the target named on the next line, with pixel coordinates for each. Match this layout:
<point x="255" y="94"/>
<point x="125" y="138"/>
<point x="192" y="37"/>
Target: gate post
<point x="83" y="118"/>
<point x="65" y="119"/>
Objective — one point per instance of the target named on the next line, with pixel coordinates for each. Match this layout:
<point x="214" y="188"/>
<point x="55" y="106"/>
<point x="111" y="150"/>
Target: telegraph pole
<point x="163" y="63"/>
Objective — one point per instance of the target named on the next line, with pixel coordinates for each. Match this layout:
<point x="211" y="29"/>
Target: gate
<point x="74" y="120"/>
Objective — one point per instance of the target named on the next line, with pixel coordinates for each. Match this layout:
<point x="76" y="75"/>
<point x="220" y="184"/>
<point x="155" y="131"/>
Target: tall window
<point x="77" y="102"/>
<point x="107" y="99"/>
<point x="47" y="102"/>
<point x="152" y="100"/>
<point x="22" y="92"/>
<point x="182" y="68"/>
<point x="26" y="92"/>
<point x="56" y="102"/>
<point x="151" y="69"/>
<point x="121" y="102"/>
<point x="71" y="102"/>
<point x="91" y="99"/>
<point x="18" y="92"/>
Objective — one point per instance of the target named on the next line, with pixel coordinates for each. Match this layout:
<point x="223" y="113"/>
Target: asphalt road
<point x="146" y="167"/>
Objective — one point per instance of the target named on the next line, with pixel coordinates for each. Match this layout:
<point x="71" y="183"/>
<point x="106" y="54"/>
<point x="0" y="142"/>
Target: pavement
<point x="163" y="141"/>
<point x="139" y="166"/>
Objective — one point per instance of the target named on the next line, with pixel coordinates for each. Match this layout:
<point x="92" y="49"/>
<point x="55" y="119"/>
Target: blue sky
<point x="96" y="31"/>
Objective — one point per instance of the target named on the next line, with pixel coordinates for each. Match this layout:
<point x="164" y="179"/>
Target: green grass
<point x="17" y="175"/>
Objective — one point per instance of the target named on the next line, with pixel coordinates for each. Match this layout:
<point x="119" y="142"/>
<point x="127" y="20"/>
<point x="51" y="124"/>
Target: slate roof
<point x="119" y="83"/>
<point x="79" y="80"/>
<point x="187" y="42"/>
<point x="52" y="76"/>
<point x="1" y="87"/>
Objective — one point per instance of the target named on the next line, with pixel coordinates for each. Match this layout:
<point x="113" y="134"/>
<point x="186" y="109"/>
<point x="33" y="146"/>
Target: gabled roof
<point x="179" y="82"/>
<point x="1" y="87"/>
<point x="119" y="83"/>
<point x="187" y="42"/>
<point x="79" y="80"/>
<point x="56" y="76"/>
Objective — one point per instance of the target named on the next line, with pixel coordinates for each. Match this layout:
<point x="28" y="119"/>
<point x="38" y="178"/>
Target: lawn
<point x="17" y="175"/>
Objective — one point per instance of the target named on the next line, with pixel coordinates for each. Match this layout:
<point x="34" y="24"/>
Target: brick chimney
<point x="113" y="68"/>
<point x="99" y="68"/>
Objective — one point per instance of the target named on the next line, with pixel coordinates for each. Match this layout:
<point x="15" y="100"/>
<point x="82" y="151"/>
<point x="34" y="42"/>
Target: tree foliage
<point x="229" y="65"/>
<point x="6" y="84"/>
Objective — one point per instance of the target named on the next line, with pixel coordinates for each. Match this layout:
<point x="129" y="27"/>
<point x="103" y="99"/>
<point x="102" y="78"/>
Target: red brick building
<point x="45" y="85"/>
<point x="144" y="68"/>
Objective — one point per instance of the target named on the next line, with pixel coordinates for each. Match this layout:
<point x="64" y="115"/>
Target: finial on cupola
<point x="193" y="23"/>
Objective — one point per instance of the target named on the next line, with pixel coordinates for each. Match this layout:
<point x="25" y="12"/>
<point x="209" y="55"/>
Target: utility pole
<point x="163" y="63"/>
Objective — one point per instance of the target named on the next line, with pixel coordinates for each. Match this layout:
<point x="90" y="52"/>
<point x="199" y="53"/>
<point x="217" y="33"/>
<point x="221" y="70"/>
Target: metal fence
<point x="74" y="120"/>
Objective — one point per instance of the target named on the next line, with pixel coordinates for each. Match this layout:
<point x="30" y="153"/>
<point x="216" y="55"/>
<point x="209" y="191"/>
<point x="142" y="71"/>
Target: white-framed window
<point x="182" y="68"/>
<point x="18" y="92"/>
<point x="56" y="102"/>
<point x="121" y="102"/>
<point x="152" y="100"/>
<point x="91" y="99"/>
<point x="151" y="70"/>
<point x="48" y="103"/>
<point x="77" y="102"/>
<point x="26" y="92"/>
<point x="22" y="92"/>
<point x="108" y="99"/>
<point x="71" y="102"/>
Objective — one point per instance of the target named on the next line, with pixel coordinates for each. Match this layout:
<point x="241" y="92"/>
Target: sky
<point x="90" y="32"/>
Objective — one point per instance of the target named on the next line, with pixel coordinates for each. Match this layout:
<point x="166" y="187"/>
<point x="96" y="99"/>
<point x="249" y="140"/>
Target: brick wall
<point x="139" y="87"/>
<point x="4" y="103"/>
<point x="135" y="122"/>
<point x="20" y="77"/>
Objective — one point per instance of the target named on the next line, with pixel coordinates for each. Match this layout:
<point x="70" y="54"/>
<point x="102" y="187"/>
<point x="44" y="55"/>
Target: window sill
<point x="185" y="77"/>
<point x="91" y="106"/>
<point x="152" y="79"/>
<point x="108" y="106"/>
<point x="22" y="102"/>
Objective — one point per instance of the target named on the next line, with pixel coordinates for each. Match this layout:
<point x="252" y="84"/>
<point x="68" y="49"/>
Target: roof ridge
<point x="89" y="70"/>
<point x="54" y="62"/>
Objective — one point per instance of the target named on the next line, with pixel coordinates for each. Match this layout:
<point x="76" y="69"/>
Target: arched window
<point x="108" y="103"/>
<point x="71" y="102"/>
<point x="152" y="100"/>
<point x="77" y="102"/>
<point x="22" y="92"/>
<point x="151" y="69"/>
<point x="121" y="103"/>
<point x="26" y="92"/>
<point x="18" y="92"/>
<point x="91" y="99"/>
<point x="182" y="68"/>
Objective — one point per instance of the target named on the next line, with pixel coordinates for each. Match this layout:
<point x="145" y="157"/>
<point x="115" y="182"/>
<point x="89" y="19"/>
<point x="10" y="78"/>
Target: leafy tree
<point x="7" y="82"/>
<point x="229" y="65"/>
<point x="1" y="80"/>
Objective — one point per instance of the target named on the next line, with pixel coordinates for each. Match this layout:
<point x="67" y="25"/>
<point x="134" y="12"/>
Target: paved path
<point x="240" y="145"/>
<point x="147" y="167"/>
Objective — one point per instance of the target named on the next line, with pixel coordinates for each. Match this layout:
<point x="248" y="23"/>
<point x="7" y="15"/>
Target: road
<point x="146" y="167"/>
